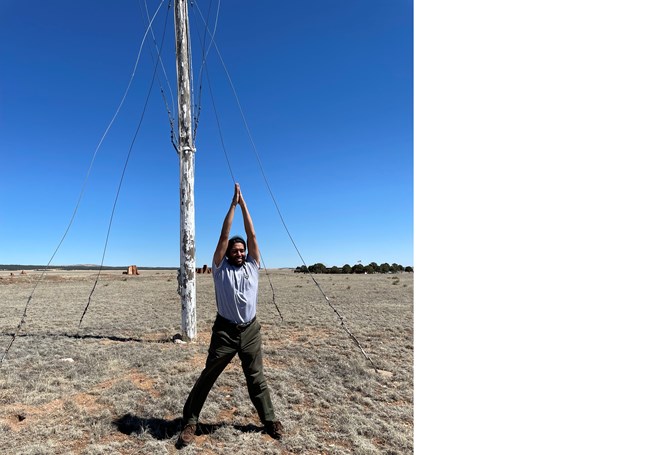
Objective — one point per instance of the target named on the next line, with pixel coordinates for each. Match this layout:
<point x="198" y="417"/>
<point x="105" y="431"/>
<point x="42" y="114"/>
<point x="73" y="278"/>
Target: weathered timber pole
<point x="187" y="277"/>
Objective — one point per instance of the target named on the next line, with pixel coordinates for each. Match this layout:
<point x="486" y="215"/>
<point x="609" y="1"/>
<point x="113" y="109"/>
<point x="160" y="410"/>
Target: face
<point x="237" y="254"/>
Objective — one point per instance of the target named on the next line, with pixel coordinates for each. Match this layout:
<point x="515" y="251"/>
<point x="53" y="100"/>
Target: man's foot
<point x="187" y="436"/>
<point x="274" y="429"/>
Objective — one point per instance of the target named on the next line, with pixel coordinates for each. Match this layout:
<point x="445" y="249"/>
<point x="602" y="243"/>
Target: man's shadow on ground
<point x="163" y="429"/>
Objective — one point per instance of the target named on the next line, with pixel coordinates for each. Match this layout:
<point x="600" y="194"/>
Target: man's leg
<point x="222" y="350"/>
<point x="251" y="361"/>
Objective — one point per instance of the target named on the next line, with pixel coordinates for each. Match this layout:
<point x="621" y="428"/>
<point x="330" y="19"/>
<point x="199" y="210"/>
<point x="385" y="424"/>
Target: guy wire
<point x="119" y="187"/>
<point x="81" y="194"/>
<point x="272" y="196"/>
<point x="204" y="55"/>
<point x="223" y="145"/>
<point x="170" y="111"/>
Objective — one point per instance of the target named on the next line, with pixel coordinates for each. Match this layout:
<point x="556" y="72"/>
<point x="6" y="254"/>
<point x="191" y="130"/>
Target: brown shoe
<point x="274" y="429"/>
<point x="187" y="436"/>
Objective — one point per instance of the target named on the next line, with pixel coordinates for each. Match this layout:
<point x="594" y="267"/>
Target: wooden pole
<point x="187" y="278"/>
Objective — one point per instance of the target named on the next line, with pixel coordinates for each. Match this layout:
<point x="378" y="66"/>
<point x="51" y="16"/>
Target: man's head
<point x="236" y="252"/>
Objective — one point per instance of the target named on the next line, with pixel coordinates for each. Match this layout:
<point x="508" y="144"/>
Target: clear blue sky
<point x="326" y="88"/>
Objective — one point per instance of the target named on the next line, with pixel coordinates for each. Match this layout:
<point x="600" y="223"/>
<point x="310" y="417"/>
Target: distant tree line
<point x="373" y="267"/>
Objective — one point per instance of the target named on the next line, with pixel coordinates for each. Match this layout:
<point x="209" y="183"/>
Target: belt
<point x="239" y="327"/>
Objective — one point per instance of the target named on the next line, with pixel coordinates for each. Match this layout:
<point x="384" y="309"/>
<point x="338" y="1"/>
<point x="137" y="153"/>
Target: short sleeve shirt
<point x="236" y="289"/>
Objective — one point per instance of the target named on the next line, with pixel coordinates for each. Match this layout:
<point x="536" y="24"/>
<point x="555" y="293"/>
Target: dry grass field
<point x="117" y="385"/>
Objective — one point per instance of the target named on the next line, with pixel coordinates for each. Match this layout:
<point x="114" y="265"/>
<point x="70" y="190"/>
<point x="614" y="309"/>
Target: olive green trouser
<point x="226" y="341"/>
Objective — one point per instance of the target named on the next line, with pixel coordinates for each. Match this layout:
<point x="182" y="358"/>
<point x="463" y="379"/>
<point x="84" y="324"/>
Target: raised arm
<point x="222" y="244"/>
<point x="251" y="239"/>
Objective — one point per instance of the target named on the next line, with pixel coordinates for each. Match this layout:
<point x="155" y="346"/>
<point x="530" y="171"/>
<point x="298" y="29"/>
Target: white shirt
<point x="235" y="289"/>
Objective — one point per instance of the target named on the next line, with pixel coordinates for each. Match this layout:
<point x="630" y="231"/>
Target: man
<point x="236" y="329"/>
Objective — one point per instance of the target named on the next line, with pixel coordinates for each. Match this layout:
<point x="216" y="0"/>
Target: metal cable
<point x="119" y="187"/>
<point x="203" y="59"/>
<point x="250" y="137"/>
<point x="223" y="144"/>
<point x="83" y="189"/>
<point x="171" y="113"/>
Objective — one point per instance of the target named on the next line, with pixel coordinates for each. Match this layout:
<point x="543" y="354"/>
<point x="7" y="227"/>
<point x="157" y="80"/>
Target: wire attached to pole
<point x="213" y="42"/>
<point x="119" y="187"/>
<point x="81" y="193"/>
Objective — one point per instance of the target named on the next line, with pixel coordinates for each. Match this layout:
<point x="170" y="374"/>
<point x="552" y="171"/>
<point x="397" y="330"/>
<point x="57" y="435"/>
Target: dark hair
<point x="235" y="239"/>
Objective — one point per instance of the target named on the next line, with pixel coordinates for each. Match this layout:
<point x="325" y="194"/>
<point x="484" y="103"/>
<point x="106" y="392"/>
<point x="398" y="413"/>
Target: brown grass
<point x="118" y="383"/>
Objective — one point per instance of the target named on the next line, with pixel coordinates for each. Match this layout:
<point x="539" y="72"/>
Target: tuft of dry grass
<point x="118" y="383"/>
